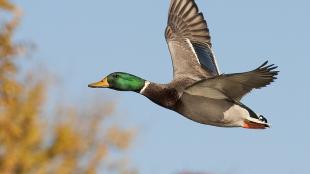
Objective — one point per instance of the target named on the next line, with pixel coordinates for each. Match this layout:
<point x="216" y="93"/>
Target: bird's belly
<point x="212" y="111"/>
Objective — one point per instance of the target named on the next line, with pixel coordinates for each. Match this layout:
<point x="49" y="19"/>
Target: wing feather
<point x="235" y="86"/>
<point x="186" y="23"/>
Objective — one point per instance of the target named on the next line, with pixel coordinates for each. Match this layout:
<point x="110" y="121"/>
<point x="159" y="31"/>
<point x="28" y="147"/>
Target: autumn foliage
<point x="35" y="141"/>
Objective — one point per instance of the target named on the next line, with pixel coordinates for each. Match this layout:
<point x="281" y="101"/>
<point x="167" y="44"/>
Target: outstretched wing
<point x="188" y="38"/>
<point x="235" y="86"/>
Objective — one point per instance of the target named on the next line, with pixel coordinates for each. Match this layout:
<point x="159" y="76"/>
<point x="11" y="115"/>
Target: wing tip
<point x="268" y="72"/>
<point x="269" y="68"/>
<point x="187" y="21"/>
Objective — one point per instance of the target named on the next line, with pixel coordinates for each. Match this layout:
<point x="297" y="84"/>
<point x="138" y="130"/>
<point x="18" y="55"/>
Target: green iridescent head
<point x="120" y="81"/>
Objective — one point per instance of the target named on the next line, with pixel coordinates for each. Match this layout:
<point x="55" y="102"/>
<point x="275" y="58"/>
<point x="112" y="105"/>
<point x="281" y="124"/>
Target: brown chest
<point x="163" y="96"/>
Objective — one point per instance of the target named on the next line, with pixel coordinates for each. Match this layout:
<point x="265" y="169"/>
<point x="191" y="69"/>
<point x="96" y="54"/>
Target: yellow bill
<point x="101" y="84"/>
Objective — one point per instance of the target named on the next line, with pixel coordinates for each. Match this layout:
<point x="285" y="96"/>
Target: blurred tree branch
<point x="78" y="142"/>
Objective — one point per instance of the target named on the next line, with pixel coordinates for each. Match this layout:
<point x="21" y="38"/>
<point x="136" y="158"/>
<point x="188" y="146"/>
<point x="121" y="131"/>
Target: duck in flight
<point x="198" y="91"/>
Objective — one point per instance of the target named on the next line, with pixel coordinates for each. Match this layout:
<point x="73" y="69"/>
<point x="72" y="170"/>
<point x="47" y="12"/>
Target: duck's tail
<point x="252" y="123"/>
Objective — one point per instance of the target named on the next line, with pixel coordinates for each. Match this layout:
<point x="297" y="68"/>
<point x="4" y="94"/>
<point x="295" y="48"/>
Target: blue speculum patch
<point x="205" y="57"/>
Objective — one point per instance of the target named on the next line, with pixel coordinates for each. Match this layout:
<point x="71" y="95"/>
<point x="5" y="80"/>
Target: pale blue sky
<point x="82" y="41"/>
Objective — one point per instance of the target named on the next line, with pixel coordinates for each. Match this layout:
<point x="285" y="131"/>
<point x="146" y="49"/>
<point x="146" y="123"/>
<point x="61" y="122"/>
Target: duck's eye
<point x="116" y="76"/>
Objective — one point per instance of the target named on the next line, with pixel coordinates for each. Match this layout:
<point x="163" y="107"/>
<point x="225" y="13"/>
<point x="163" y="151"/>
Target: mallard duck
<point x="198" y="90"/>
